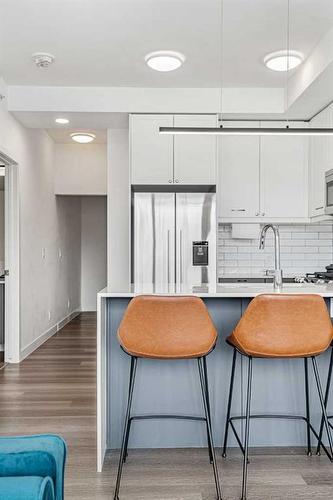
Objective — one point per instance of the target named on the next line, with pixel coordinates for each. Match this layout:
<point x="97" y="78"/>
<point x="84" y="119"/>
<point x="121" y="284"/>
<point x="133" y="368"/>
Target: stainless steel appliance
<point x="173" y="240"/>
<point x="329" y="192"/>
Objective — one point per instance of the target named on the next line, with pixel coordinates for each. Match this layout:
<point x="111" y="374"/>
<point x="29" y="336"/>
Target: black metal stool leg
<point x="129" y="421"/>
<point x="247" y="429"/>
<point x="208" y="407"/>
<point x="231" y="390"/>
<point x="307" y="406"/>
<point x="322" y="402"/>
<point x="127" y="417"/>
<point x="327" y="392"/>
<point x="204" y="384"/>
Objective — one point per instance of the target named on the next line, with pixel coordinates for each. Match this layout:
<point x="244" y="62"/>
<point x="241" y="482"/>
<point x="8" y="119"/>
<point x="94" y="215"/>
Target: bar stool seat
<point x="274" y="326"/>
<point x="167" y="327"/>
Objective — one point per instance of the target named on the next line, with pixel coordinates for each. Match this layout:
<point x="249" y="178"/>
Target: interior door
<point x="195" y="239"/>
<point x="154" y="242"/>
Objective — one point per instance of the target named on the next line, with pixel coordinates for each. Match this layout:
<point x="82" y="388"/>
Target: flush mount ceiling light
<point x="283" y="60"/>
<point x="62" y="121"/>
<point x="164" y="60"/>
<point x="292" y="59"/>
<point x="83" y="137"/>
<point x="42" y="59"/>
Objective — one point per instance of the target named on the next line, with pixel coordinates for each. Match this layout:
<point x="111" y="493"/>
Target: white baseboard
<point x="48" y="334"/>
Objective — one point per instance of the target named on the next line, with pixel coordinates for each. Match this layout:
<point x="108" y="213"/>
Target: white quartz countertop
<point x="220" y="290"/>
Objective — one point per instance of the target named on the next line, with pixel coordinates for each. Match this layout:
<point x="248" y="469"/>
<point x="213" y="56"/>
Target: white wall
<point x="80" y="169"/>
<point x="2" y="231"/>
<point x="46" y="284"/>
<point x="118" y="208"/>
<point x="93" y="249"/>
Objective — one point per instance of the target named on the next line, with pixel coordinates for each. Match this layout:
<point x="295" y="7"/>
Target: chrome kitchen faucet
<point x="277" y="272"/>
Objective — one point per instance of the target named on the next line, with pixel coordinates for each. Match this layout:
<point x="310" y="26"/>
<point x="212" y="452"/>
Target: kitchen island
<point x="173" y="386"/>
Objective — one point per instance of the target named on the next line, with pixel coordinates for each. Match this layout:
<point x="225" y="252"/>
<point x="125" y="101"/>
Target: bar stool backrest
<point x="284" y="325"/>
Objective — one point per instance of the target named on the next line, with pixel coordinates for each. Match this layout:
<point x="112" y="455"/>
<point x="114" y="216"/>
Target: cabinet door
<point x="195" y="155"/>
<point x="238" y="185"/>
<point x="151" y="152"/>
<point x="284" y="174"/>
<point x="320" y="149"/>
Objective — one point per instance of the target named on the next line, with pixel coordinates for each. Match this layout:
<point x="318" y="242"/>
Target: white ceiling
<point x="103" y="42"/>
<point x="77" y="121"/>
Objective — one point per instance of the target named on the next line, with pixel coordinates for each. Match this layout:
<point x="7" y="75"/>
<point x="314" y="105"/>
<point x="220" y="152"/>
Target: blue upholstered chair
<point x="32" y="467"/>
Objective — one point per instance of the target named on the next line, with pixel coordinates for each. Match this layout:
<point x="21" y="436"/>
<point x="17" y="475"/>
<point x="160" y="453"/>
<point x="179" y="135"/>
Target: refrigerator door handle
<point x="180" y="257"/>
<point x="168" y="255"/>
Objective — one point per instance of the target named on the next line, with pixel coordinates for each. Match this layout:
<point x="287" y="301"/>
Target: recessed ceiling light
<point x="164" y="60"/>
<point x="83" y="137"/>
<point x="283" y="60"/>
<point x="62" y="121"/>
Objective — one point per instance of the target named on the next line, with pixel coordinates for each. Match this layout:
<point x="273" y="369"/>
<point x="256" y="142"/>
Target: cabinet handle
<point x="177" y="180"/>
<point x="170" y="181"/>
<point x="319" y="208"/>
<point x="238" y="210"/>
<point x="257" y="214"/>
<point x="263" y="214"/>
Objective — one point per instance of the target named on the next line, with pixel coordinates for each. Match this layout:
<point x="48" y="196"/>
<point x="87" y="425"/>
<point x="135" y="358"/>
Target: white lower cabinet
<point x="263" y="178"/>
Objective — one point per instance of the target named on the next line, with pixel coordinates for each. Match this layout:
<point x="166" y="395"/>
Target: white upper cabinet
<point x="321" y="159"/>
<point x="263" y="178"/>
<point x="167" y="159"/>
<point x="284" y="174"/>
<point x="151" y="152"/>
<point x="195" y="155"/>
<point x="238" y="177"/>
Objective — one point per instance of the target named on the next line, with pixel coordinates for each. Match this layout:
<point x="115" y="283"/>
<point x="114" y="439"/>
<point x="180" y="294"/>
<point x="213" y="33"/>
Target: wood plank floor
<point x="54" y="391"/>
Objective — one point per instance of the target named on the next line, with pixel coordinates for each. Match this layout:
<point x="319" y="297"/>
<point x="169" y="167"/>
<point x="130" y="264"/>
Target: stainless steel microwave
<point x="329" y="192"/>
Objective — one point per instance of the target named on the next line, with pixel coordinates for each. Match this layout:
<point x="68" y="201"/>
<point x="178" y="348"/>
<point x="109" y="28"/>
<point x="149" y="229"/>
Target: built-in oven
<point x="329" y="192"/>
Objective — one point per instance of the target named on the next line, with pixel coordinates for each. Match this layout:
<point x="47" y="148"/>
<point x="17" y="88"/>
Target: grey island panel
<point x="173" y="387"/>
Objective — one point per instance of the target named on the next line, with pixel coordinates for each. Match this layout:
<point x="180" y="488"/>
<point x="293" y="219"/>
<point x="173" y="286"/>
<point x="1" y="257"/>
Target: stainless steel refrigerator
<point x="173" y="241"/>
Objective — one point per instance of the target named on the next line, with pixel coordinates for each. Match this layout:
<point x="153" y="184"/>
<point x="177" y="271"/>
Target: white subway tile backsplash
<point x="304" y="248"/>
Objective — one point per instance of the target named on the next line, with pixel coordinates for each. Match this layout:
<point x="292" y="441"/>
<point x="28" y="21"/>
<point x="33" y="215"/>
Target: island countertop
<point x="227" y="290"/>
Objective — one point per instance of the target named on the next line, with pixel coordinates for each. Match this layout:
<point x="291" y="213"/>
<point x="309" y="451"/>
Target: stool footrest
<point x="167" y="416"/>
<point x="285" y="417"/>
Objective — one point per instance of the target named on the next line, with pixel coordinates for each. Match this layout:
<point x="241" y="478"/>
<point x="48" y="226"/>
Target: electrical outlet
<point x="68" y="304"/>
<point x="43" y="253"/>
<point x="49" y="315"/>
<point x="60" y="254"/>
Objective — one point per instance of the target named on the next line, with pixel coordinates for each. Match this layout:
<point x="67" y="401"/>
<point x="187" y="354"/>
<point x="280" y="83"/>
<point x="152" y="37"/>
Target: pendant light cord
<point x="288" y="63"/>
<point x="221" y="57"/>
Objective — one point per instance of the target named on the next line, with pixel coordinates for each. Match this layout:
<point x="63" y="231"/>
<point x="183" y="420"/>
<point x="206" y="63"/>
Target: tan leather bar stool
<point x="280" y="326"/>
<point x="167" y="328"/>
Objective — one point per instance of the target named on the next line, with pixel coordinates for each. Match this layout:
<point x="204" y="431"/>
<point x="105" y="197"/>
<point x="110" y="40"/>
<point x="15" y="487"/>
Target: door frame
<point x="12" y="260"/>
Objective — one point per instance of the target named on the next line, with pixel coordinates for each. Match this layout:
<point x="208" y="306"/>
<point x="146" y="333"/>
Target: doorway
<point x="9" y="262"/>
